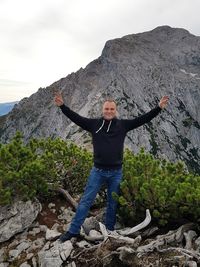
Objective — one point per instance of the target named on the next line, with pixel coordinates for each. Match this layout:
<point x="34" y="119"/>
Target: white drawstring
<point x="101" y="126"/>
<point x="109" y="126"/>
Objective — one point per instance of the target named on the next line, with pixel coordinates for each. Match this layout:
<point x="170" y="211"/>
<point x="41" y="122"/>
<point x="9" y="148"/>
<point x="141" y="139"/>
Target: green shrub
<point x="66" y="164"/>
<point x="21" y="172"/>
<point x="165" y="188"/>
<point x="38" y="167"/>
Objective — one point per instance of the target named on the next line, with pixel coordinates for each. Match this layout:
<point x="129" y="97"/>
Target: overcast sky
<point x="42" y="41"/>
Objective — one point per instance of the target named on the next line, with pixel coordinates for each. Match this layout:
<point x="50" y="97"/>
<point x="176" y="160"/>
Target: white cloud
<point x="44" y="40"/>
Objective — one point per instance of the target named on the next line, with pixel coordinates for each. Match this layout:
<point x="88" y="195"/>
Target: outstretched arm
<point x="147" y="117"/>
<point x="81" y="121"/>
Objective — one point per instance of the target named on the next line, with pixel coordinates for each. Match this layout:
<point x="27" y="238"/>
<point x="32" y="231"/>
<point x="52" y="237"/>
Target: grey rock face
<point x="16" y="218"/>
<point x="55" y="255"/>
<point x="52" y="234"/>
<point x="136" y="70"/>
<point x="90" y="223"/>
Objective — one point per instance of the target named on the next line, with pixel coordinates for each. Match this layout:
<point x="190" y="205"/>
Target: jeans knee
<point x="86" y="203"/>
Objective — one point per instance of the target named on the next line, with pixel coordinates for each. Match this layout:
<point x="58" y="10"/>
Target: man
<point x="108" y="134"/>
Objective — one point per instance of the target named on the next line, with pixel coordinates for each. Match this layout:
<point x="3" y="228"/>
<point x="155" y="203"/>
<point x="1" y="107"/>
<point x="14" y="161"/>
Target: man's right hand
<point x="58" y="99"/>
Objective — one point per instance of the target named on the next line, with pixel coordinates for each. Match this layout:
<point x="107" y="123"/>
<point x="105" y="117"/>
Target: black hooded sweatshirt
<point x="108" y="135"/>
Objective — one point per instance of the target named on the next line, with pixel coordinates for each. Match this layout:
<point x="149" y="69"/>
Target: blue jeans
<point x="97" y="178"/>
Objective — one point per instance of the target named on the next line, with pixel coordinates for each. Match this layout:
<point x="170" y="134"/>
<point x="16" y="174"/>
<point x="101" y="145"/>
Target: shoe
<point x="67" y="236"/>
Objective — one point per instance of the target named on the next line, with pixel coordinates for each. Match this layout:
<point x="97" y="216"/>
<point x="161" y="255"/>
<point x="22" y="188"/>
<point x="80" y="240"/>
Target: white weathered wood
<point x="138" y="227"/>
<point x="171" y="237"/>
<point x="189" y="237"/>
<point x="103" y="230"/>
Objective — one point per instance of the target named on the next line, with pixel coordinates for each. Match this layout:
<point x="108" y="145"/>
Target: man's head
<point x="109" y="109"/>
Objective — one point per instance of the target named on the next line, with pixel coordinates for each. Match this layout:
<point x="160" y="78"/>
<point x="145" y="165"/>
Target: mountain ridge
<point x="136" y="70"/>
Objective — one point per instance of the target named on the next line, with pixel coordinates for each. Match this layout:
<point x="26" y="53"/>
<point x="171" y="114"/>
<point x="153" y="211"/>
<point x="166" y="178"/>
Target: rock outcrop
<point x="17" y="217"/>
<point x="136" y="70"/>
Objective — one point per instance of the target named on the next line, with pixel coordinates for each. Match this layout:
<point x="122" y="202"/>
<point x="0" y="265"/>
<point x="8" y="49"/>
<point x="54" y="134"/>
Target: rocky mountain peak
<point x="136" y="70"/>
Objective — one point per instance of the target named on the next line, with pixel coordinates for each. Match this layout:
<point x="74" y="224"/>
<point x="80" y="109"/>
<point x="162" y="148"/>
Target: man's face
<point x="109" y="110"/>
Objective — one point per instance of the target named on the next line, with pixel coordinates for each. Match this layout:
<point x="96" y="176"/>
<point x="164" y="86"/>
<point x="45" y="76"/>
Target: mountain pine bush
<point x="167" y="189"/>
<point x="21" y="172"/>
<point x="38" y="167"/>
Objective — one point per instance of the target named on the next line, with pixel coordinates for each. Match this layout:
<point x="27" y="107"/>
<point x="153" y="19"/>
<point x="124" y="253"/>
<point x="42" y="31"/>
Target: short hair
<point x="110" y="100"/>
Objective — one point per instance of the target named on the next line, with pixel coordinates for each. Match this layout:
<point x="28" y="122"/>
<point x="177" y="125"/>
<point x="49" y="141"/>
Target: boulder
<point x="17" y="217"/>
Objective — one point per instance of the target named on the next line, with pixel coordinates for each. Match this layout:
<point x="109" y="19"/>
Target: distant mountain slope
<point x="6" y="107"/>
